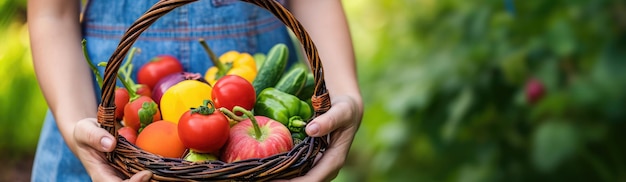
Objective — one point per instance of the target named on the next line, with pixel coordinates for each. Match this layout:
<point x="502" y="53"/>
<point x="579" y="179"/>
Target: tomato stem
<point x="93" y="67"/>
<point x="257" y="129"/>
<point x="296" y="124"/>
<point x="132" y="91"/>
<point x="221" y="68"/>
<point x="127" y="67"/>
<point x="231" y="115"/>
<point x="146" y="114"/>
<point x="125" y="71"/>
<point x="204" y="109"/>
<point x="130" y="87"/>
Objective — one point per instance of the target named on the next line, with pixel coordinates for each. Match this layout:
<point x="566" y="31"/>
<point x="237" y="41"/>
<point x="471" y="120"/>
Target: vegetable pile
<point x="243" y="107"/>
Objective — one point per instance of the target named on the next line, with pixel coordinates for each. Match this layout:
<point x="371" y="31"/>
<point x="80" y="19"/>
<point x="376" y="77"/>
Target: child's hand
<point x="341" y="121"/>
<point x="92" y="141"/>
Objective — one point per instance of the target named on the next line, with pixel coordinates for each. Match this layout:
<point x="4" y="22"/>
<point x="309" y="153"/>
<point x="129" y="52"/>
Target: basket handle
<point x="106" y="110"/>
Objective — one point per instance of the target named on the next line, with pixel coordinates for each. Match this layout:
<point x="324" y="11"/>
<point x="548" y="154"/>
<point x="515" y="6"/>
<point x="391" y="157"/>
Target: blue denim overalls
<point x="225" y="24"/>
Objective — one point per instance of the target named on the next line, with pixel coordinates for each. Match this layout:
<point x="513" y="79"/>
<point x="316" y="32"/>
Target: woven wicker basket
<point x="129" y="159"/>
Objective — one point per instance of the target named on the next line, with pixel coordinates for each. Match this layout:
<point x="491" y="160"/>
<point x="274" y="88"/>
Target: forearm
<point x="326" y="23"/>
<point x="61" y="69"/>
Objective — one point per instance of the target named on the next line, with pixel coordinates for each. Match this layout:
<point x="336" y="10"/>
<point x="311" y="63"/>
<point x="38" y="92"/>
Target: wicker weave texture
<point x="128" y="159"/>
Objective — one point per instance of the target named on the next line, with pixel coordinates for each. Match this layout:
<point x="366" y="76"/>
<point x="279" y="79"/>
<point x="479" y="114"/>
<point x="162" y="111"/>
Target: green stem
<point x="204" y="109"/>
<point x="220" y="66"/>
<point x="231" y="115"/>
<point x="296" y="124"/>
<point x="257" y="129"/>
<point x="130" y="86"/>
<point x="125" y="70"/>
<point x="132" y="91"/>
<point x="127" y="67"/>
<point x="91" y="65"/>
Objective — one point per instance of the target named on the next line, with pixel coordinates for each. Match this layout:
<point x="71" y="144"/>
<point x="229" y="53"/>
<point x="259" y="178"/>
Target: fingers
<point x="140" y="176"/>
<point x="327" y="122"/>
<point x="326" y="173"/>
<point x="103" y="172"/>
<point x="327" y="168"/>
<point x="92" y="141"/>
<point x="87" y="132"/>
<point x="102" y="177"/>
<point x="341" y="114"/>
<point x="343" y="119"/>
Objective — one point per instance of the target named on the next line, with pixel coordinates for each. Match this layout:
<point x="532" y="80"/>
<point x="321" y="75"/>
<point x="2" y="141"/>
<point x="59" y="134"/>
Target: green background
<point x="443" y="83"/>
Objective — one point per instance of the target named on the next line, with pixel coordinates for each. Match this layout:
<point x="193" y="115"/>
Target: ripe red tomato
<point x="232" y="90"/>
<point x="131" y="112"/>
<point x="159" y="67"/>
<point x="121" y="99"/>
<point x="143" y="89"/>
<point x="203" y="132"/>
<point x="161" y="137"/>
<point x="129" y="133"/>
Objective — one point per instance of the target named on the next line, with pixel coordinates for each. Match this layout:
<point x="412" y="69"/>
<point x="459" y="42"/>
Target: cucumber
<point x="309" y="87"/>
<point x="272" y="68"/>
<point x="293" y="81"/>
<point x="259" y="58"/>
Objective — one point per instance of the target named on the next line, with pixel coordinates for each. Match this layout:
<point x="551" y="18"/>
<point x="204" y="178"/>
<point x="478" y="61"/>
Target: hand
<point x="343" y="120"/>
<point x="92" y="141"/>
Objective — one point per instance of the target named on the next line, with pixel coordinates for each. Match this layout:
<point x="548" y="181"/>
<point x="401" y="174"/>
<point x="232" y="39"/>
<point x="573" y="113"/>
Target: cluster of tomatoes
<point x="177" y="114"/>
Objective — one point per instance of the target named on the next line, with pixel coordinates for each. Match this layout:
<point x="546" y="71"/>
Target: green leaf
<point x="514" y="67"/>
<point x="561" y="38"/>
<point x="457" y="111"/>
<point x="553" y="143"/>
<point x="146" y="114"/>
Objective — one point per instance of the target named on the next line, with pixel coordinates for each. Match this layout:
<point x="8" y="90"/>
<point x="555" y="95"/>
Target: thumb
<point x="140" y="176"/>
<point x="88" y="133"/>
<point x="337" y="116"/>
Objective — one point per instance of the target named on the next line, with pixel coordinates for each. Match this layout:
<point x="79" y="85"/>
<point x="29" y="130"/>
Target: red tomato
<point x="131" y="112"/>
<point x="203" y="132"/>
<point x="159" y="67"/>
<point x="121" y="99"/>
<point x="161" y="138"/>
<point x="129" y="133"/>
<point x="143" y="89"/>
<point x="232" y="90"/>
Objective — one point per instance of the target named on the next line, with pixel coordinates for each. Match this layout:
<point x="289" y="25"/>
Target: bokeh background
<point x="445" y="86"/>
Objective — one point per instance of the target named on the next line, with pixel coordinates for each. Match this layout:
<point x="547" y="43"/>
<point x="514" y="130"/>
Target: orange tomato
<point x="161" y="138"/>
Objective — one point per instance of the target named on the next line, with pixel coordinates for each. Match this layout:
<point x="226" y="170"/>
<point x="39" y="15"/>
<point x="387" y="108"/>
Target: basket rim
<point x="129" y="159"/>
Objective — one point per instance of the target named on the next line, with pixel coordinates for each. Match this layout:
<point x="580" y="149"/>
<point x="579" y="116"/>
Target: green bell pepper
<point x="284" y="108"/>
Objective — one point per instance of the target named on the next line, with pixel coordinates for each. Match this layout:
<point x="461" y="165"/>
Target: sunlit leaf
<point x="553" y="142"/>
<point x="456" y="112"/>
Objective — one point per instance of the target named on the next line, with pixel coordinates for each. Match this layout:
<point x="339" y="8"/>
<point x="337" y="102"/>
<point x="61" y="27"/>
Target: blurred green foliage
<point x="443" y="83"/>
<point x="11" y="11"/>
<point x="22" y="107"/>
<point x="444" y="88"/>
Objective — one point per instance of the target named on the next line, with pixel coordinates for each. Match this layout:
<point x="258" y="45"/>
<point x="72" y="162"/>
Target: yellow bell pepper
<point x="182" y="96"/>
<point x="230" y="63"/>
